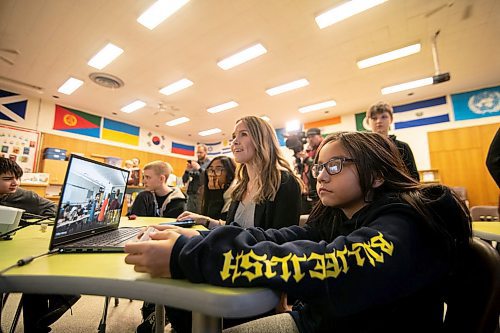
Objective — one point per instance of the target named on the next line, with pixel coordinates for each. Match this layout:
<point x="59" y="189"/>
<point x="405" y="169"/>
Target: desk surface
<point x="487" y="230"/>
<point x="107" y="274"/>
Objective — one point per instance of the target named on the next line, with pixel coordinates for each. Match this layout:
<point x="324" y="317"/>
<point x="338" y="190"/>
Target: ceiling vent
<point x="106" y="80"/>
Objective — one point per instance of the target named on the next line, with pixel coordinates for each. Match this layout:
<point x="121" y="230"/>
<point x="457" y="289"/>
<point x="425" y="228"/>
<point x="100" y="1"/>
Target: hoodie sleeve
<point x="374" y="264"/>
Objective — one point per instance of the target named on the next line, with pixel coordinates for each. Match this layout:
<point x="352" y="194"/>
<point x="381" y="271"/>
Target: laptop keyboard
<point x="113" y="238"/>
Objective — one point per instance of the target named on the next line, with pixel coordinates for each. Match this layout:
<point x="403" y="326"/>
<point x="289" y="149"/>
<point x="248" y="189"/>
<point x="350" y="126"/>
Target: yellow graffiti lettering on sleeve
<point x="252" y="265"/>
<point x="327" y="265"/>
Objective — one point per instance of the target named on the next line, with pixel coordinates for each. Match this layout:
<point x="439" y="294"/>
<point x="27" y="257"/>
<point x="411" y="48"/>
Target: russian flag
<point x="421" y="113"/>
<point x="179" y="148"/>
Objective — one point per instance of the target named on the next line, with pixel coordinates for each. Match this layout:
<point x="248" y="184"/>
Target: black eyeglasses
<point x="216" y="171"/>
<point x="333" y="166"/>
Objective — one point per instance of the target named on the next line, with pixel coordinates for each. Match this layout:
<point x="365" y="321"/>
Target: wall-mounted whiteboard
<point x="20" y="145"/>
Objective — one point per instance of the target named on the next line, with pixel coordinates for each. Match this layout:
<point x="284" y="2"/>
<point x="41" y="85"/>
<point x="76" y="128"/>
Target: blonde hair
<point x="160" y="168"/>
<point x="268" y="160"/>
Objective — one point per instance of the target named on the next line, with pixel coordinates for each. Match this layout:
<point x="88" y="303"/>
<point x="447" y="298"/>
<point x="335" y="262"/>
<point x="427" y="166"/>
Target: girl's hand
<point x="182" y="231"/>
<point x="197" y="218"/>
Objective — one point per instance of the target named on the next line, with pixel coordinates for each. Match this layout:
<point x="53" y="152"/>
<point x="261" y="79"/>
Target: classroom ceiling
<point x="56" y="39"/>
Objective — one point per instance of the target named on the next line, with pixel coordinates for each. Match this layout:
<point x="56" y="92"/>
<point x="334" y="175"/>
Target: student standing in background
<point x="193" y="177"/>
<point x="380" y="117"/>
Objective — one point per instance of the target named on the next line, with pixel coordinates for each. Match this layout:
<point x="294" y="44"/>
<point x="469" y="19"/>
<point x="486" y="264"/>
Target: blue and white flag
<point x="214" y="149"/>
<point x="12" y="106"/>
<point x="477" y="104"/>
<point x="421" y="113"/>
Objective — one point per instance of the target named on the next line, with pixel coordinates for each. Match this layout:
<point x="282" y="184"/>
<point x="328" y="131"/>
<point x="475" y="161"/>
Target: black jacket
<point x="144" y="204"/>
<point x="407" y="155"/>
<point x="284" y="211"/>
<point x="383" y="270"/>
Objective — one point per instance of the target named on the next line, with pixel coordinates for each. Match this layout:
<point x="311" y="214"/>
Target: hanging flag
<point x="120" y="132"/>
<point x="179" y="148"/>
<point x="362" y="122"/>
<point x="78" y="122"/>
<point x="12" y="106"/>
<point x="154" y="140"/>
<point x="477" y="104"/>
<point x="421" y="113"/>
<point x="214" y="149"/>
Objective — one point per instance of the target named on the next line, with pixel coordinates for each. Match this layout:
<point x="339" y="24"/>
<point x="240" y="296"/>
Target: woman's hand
<point x="197" y="218"/>
<point x="152" y="256"/>
<point x="283" y="304"/>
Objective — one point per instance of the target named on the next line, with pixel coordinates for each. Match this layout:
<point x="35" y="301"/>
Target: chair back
<point x="461" y="193"/>
<point x="473" y="302"/>
<point x="303" y="219"/>
<point x="484" y="213"/>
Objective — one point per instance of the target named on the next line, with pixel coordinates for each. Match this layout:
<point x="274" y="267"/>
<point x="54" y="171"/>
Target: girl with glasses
<point x="218" y="187"/>
<point x="376" y="254"/>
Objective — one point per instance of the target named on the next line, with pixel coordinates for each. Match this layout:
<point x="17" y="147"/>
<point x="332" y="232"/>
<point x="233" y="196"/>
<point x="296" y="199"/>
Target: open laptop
<point x="89" y="211"/>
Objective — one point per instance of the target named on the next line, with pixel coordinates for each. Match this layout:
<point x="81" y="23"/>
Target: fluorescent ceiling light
<point x="134" y="106"/>
<point x="408" y="85"/>
<point x="388" y="56"/>
<point x="317" y="106"/>
<point x="243" y="56"/>
<point x="287" y="87"/>
<point x="223" y="107"/>
<point x="210" y="131"/>
<point x="70" y="86"/>
<point x="266" y="118"/>
<point x="104" y="57"/>
<point x="344" y="11"/>
<point x="176" y="86"/>
<point x="177" y="121"/>
<point x="292" y="126"/>
<point x="159" y="12"/>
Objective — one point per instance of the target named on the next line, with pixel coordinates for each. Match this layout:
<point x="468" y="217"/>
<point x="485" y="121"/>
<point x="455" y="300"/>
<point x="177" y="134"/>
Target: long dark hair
<point x="377" y="157"/>
<point x="215" y="197"/>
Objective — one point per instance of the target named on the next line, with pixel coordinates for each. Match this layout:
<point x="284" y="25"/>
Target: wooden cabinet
<point x="56" y="169"/>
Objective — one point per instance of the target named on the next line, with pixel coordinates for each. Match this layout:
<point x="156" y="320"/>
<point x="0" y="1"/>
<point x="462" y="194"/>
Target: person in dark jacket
<point x="376" y="254"/>
<point x="158" y="199"/>
<point x="380" y="117"/>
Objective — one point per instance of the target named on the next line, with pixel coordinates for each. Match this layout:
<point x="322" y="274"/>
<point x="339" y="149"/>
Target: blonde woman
<point x="267" y="192"/>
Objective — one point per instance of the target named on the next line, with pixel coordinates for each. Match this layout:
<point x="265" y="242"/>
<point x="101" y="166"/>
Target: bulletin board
<point x="20" y="145"/>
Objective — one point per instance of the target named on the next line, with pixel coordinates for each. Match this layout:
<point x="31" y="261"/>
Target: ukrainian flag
<point x="120" y="132"/>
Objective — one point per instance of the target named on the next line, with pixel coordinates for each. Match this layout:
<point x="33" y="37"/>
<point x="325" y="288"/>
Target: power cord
<point x="27" y="260"/>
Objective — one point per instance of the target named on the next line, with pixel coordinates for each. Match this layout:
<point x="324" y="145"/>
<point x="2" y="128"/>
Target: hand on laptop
<point x="183" y="231"/>
<point x="152" y="256"/>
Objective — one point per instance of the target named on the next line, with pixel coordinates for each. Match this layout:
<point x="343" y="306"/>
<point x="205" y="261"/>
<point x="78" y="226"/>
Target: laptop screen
<point x="91" y="201"/>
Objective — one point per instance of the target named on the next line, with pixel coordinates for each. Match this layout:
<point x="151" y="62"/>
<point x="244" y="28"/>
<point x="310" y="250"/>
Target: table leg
<point x="206" y="324"/>
<point x="160" y="318"/>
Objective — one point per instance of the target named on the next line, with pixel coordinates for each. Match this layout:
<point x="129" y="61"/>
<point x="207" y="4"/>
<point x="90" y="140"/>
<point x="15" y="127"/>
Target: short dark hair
<point x="9" y="166"/>
<point x="313" y="131"/>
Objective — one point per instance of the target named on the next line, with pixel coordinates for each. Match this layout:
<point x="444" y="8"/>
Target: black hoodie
<point x="383" y="270"/>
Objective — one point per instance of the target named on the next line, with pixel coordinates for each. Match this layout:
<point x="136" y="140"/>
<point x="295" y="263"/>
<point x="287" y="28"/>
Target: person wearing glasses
<point x="219" y="186"/>
<point x="380" y="117"/>
<point x="376" y="254"/>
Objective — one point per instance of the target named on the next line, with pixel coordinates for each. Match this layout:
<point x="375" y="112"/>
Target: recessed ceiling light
<point x="134" y="106"/>
<point x="159" y="12"/>
<point x="177" y="121"/>
<point x="317" y="106"/>
<point x="176" y="86"/>
<point x="104" y="57"/>
<point x="70" y="86"/>
<point x="210" y="132"/>
<point x="242" y="56"/>
<point x="287" y="87"/>
<point x="222" y="107"/>
<point x="407" y="85"/>
<point x="344" y="11"/>
<point x="388" y="56"/>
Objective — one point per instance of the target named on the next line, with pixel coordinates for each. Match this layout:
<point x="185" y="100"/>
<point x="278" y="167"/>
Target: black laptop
<point x="88" y="216"/>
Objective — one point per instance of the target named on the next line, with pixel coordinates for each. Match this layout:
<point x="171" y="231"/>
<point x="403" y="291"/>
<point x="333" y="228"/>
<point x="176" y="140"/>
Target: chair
<point x="484" y="213"/>
<point x="473" y="301"/>
<point x="303" y="219"/>
<point x="462" y="193"/>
